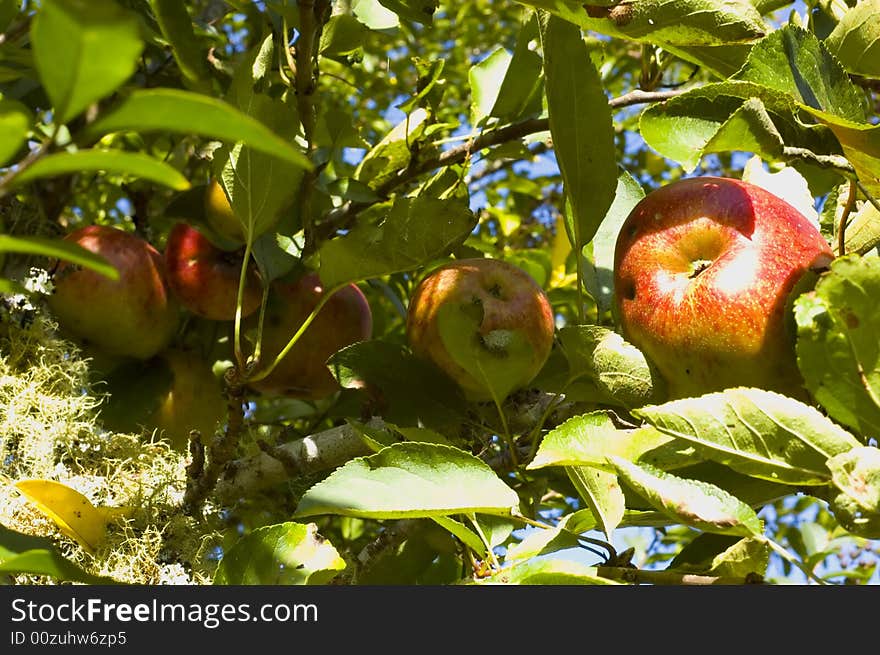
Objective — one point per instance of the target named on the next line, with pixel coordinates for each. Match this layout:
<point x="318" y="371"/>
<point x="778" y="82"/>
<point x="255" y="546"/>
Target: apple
<point x="705" y="273"/>
<point x="219" y="214"/>
<point x="194" y="400"/>
<point x="486" y="323"/>
<point x="205" y="278"/>
<point x="134" y="316"/>
<point x="303" y="373"/>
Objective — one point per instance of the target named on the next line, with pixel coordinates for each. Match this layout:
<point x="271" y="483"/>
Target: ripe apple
<point x="486" y="323"/>
<point x="303" y="373"/>
<point x="205" y="278"/>
<point x="194" y="401"/>
<point x="705" y="272"/>
<point x="219" y="214"/>
<point x="134" y="316"/>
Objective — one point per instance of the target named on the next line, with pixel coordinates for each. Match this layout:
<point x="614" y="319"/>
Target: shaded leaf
<point x="420" y="11"/>
<point x="410" y="480"/>
<point x="184" y="112"/>
<point x="584" y="148"/>
<point x="15" y="123"/>
<point x="837" y="348"/>
<point x="108" y="161"/>
<point x="283" y="554"/>
<point x="755" y="432"/>
<point x="59" y="249"/>
<point x="177" y="28"/>
<point x="395" y="237"/>
<point x="83" y="50"/>
<point x="693" y="502"/>
<point x="24" y="553"/>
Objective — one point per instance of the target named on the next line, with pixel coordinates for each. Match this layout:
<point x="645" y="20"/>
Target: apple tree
<point x="337" y="291"/>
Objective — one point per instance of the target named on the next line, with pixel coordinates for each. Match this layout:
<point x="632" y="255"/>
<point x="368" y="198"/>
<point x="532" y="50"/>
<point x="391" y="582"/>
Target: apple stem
<point x="490" y="554"/>
<point x="239" y="301"/>
<point x="259" y="375"/>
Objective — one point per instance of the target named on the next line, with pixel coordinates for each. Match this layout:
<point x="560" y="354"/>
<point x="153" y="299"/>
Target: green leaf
<point x="15" y="123"/>
<point x="59" y="249"/>
<point x="428" y="555"/>
<point x="108" y="161"/>
<point x="755" y="432"/>
<point x="618" y="369"/>
<point x="177" y="28"/>
<point x="410" y="480"/>
<point x="602" y="494"/>
<point x="626" y="196"/>
<point x="283" y="554"/>
<point x="83" y="51"/>
<point x="486" y="79"/>
<point x="24" y="553"/>
<point x="520" y="91"/>
<point x="863" y="231"/>
<point x="588" y="439"/>
<point x="398" y="377"/>
<point x="793" y="61"/>
<point x="467" y="536"/>
<point x="727" y="116"/>
<point x="395" y="237"/>
<point x="855" y="41"/>
<point x="664" y="22"/>
<point x="693" y="502"/>
<point x="343" y="36"/>
<point x="837" y="349"/>
<point x="8" y="11"/>
<point x="259" y="185"/>
<point x="861" y="146"/>
<point x="420" y="11"/>
<point x="723" y="556"/>
<point x="542" y="541"/>
<point x="184" y="112"/>
<point x="372" y="14"/>
<point x="548" y="571"/>
<point x="857" y="474"/>
<point x="581" y="127"/>
<point x="392" y="153"/>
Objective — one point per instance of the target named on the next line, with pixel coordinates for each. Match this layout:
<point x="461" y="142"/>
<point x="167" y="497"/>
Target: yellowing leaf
<point x="74" y="514"/>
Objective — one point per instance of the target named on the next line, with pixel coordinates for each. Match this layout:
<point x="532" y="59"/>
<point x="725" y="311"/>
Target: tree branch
<point x="341" y="217"/>
<point x="636" y="576"/>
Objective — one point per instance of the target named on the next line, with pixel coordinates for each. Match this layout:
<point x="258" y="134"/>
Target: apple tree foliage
<point x="371" y="141"/>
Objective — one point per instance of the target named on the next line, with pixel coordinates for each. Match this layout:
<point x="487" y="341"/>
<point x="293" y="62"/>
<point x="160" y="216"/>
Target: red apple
<point x="205" y="278"/>
<point x="303" y="373"/>
<point x="705" y="271"/>
<point x="486" y="323"/>
<point x="134" y="316"/>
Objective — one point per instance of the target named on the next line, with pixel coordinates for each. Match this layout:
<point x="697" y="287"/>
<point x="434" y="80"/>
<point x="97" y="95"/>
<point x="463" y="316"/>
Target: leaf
<point x="59" y="249"/>
<point x="282" y="554"/>
<point x="420" y="11"/>
<point x="755" y="432"/>
<point x="837" y="349"/>
<point x="793" y="61"/>
<point x="664" y="22"/>
<point x="861" y="146"/>
<point x="467" y="536"/>
<point x="857" y="474"/>
<point x="372" y="14"/>
<point x="601" y="492"/>
<point x="726" y="116"/>
<point x="542" y="541"/>
<point x="486" y="78"/>
<point x="412" y="391"/>
<point x="548" y="571"/>
<point x="581" y="127"/>
<point x="24" y="553"/>
<point x="185" y="112"/>
<point x="520" y="92"/>
<point x="83" y="50"/>
<point x="695" y="503"/>
<point x="109" y="161"/>
<point x="863" y="231"/>
<point x="588" y="439"/>
<point x="15" y="123"/>
<point x="428" y="556"/>
<point x="626" y="196"/>
<point x="177" y="28"/>
<point x="343" y="36"/>
<point x="395" y="237"/>
<point x="72" y="512"/>
<point x="855" y="41"/>
<point x="410" y="480"/>
<point x="259" y="185"/>
<point x="617" y="368"/>
<point x="392" y="153"/>
<point x="723" y="556"/>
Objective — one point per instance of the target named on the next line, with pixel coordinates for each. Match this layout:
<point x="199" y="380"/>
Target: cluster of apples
<point x="705" y="272"/>
<point x="138" y="316"/>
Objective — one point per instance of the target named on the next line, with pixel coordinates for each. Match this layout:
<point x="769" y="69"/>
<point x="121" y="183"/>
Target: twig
<point x="844" y="218"/>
